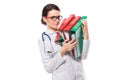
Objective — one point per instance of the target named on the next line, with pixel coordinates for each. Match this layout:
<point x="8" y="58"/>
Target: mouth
<point x="56" y="24"/>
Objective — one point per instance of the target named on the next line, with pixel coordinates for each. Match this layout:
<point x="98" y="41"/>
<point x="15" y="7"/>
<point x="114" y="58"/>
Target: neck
<point x="52" y="29"/>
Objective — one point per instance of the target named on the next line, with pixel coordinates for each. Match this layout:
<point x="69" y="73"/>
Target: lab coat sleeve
<point x="51" y="63"/>
<point x="86" y="44"/>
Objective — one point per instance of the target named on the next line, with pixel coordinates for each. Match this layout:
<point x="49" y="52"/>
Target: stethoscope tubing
<point x="44" y="34"/>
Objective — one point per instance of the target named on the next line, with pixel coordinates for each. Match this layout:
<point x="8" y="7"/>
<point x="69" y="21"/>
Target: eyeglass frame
<point x="54" y="18"/>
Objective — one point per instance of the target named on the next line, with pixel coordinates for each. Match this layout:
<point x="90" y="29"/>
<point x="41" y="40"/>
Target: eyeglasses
<point x="54" y="18"/>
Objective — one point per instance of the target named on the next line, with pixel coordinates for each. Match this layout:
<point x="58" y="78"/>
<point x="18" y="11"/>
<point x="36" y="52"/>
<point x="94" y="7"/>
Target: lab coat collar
<point x="50" y="32"/>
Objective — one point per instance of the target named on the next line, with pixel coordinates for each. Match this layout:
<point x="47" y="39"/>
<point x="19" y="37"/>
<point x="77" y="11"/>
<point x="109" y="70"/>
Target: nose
<point x="57" y="20"/>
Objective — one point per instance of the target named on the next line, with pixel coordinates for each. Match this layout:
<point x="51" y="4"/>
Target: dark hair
<point x="46" y="9"/>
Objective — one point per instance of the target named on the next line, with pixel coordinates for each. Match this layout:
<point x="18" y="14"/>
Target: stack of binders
<point x="69" y="28"/>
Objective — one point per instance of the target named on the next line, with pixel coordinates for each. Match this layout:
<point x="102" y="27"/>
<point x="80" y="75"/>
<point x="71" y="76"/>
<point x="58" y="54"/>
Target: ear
<point x="44" y="18"/>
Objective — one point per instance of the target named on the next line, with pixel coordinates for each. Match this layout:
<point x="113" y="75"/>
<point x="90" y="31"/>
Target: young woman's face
<point x="52" y="19"/>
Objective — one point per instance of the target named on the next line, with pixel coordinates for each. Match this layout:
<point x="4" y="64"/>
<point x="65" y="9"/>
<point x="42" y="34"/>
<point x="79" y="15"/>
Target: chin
<point x="55" y="26"/>
<point x="55" y="29"/>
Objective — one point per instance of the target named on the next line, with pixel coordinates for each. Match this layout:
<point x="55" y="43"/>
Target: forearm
<point x="86" y="35"/>
<point x="62" y="51"/>
<point x="86" y="44"/>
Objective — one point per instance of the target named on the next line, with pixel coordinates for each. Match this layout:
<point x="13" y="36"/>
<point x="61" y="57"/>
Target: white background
<point x="20" y="29"/>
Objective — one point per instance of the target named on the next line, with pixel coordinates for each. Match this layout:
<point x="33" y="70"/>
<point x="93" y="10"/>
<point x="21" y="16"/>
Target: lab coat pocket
<point x="60" y="73"/>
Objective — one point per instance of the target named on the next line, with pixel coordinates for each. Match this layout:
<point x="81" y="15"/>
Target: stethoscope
<point x="48" y="48"/>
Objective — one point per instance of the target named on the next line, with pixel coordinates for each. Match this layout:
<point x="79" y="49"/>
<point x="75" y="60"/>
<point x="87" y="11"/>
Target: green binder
<point x="77" y="33"/>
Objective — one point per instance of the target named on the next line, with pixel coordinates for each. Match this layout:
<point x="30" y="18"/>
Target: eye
<point x="60" y="17"/>
<point x="54" y="17"/>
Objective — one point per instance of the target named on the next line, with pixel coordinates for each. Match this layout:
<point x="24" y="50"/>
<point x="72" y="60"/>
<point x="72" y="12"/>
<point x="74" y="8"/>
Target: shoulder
<point x="41" y="34"/>
<point x="41" y="30"/>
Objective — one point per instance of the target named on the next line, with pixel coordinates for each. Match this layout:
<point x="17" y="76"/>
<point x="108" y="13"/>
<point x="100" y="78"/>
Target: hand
<point x="85" y="29"/>
<point x="68" y="46"/>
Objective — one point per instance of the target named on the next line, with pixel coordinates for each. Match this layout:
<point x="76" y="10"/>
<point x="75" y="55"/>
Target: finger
<point x="82" y="25"/>
<point x="73" y="40"/>
<point x="66" y="41"/>
<point x="74" y="44"/>
<point x="84" y="22"/>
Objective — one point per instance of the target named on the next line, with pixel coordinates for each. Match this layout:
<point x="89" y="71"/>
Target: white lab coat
<point x="62" y="68"/>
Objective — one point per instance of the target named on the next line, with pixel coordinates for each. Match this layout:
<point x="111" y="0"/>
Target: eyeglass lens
<point x="56" y="17"/>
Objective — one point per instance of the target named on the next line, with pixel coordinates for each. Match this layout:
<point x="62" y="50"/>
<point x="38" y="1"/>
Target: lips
<point x="56" y="24"/>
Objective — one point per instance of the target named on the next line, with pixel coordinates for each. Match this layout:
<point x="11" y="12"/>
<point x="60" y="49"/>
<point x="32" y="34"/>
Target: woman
<point x="56" y="58"/>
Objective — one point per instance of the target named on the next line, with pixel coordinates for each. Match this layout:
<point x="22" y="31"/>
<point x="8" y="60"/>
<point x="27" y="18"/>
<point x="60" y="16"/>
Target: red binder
<point x="71" y="24"/>
<point x="57" y="37"/>
<point x="66" y="22"/>
<point x="66" y="30"/>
